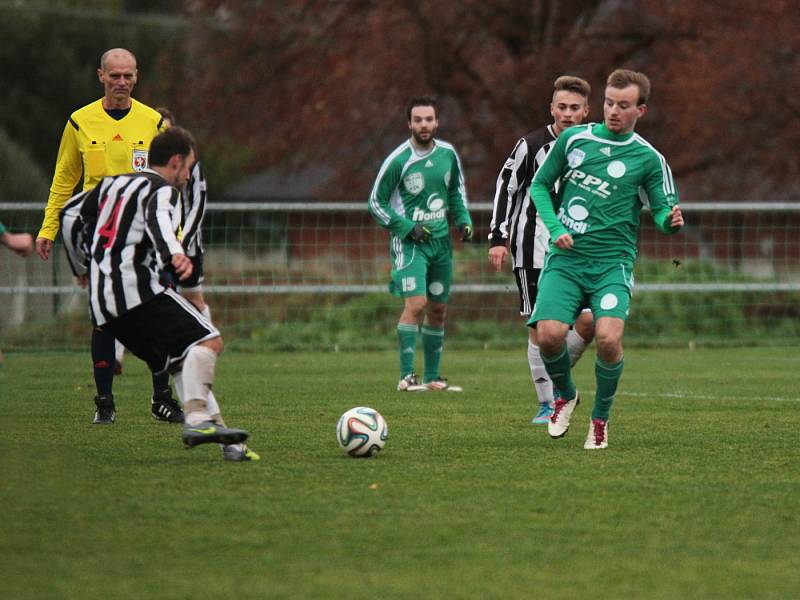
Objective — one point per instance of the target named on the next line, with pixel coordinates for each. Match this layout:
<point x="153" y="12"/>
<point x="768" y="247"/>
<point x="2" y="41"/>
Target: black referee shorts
<point x="527" y="286"/>
<point x="162" y="331"/>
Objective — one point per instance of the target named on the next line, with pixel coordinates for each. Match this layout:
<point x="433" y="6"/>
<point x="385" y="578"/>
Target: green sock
<point x="407" y="338"/>
<point x="432" y="342"/>
<point x="608" y="376"/>
<point x="560" y="371"/>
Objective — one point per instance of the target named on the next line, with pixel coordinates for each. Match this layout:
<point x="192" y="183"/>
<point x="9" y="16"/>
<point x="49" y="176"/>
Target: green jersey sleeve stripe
<point x="374" y="206"/>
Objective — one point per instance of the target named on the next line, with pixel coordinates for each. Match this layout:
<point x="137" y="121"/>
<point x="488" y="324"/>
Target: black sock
<point x="160" y="382"/>
<point x="103" y="359"/>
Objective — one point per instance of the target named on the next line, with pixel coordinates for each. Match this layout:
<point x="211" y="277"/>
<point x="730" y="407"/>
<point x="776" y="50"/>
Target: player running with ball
<point x="606" y="172"/>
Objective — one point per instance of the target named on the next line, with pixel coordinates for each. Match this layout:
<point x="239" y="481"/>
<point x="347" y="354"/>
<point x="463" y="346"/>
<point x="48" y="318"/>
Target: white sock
<point x="196" y="417"/>
<point x="213" y="407"/>
<point x="119" y="351"/>
<point x="178" y="379"/>
<point x="541" y="380"/>
<point x="197" y="379"/>
<point x="576" y="345"/>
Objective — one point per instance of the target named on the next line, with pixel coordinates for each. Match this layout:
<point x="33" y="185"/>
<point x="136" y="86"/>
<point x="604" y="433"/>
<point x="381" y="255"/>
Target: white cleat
<point x="562" y="413"/>
<point x="410" y="383"/>
<point x="441" y="385"/>
<point x="597" y="439"/>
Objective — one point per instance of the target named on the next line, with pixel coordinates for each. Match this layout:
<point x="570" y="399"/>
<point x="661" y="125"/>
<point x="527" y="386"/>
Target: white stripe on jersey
<point x="527" y="241"/>
<point x="374" y="205"/>
<point x="193" y="210"/>
<point x="72" y="234"/>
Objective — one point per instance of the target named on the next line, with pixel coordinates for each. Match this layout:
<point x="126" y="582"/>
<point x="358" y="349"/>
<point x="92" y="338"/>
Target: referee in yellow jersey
<point x="110" y="136"/>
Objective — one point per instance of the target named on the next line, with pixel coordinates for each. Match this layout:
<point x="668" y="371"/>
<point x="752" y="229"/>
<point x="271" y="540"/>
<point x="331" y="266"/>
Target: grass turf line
<point x="697" y="495"/>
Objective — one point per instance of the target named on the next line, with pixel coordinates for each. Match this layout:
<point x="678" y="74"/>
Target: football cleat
<point x="164" y="407"/>
<point x="544" y="414"/>
<point x="562" y="412"/>
<point x="440" y="385"/>
<point x="239" y="453"/>
<point x="410" y="383"/>
<point x="106" y="412"/>
<point x="597" y="439"/>
<point x="209" y="432"/>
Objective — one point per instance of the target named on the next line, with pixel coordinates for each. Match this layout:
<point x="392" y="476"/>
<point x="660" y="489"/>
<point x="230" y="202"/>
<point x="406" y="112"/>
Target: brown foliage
<point x="326" y="80"/>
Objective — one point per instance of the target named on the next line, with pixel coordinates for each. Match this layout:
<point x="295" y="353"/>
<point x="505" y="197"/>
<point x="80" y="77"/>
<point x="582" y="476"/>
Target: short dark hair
<point x="622" y="78"/>
<point x="167" y="144"/>
<point x="167" y="114"/>
<point x="420" y="101"/>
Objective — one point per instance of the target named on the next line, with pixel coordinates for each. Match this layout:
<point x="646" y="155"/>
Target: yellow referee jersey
<point x="95" y="145"/>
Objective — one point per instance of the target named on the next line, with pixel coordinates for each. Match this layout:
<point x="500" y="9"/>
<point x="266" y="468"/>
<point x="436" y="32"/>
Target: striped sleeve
<point x="159" y="209"/>
<point x="660" y="191"/>
<point x="457" y="193"/>
<point x="385" y="187"/>
<point x="193" y="211"/>
<point x="505" y="189"/>
<point x="72" y="232"/>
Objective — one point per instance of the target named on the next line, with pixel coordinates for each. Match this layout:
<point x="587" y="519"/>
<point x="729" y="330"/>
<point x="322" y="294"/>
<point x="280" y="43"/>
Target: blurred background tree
<point x="285" y="85"/>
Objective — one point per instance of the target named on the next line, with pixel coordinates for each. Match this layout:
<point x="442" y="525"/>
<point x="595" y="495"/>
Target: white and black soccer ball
<point x="362" y="431"/>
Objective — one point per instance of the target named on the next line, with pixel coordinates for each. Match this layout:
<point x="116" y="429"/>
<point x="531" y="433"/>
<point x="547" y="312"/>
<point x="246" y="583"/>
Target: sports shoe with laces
<point x="164" y="407"/>
<point x="440" y="385"/>
<point x="239" y="453"/>
<point x="544" y="414"/>
<point x="410" y="383"/>
<point x="209" y="432"/>
<point x="106" y="412"/>
<point x="597" y="439"/>
<point x="562" y="412"/>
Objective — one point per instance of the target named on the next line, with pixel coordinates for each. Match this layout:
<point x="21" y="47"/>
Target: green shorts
<point x="568" y="284"/>
<point x="422" y="269"/>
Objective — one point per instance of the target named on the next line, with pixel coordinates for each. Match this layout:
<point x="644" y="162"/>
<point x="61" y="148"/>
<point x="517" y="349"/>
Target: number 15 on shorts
<point x="409" y="284"/>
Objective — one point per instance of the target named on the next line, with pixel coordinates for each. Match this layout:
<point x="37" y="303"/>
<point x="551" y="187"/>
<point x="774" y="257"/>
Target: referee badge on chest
<point x="139" y="162"/>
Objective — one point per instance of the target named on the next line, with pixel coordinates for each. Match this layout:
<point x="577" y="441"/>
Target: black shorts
<point x="162" y="331"/>
<point x="527" y="286"/>
<point x="196" y="278"/>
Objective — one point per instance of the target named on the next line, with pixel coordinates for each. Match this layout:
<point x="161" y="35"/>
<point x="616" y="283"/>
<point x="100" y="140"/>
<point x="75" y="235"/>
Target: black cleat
<point x="106" y="412"/>
<point x="209" y="432"/>
<point x="165" y="408"/>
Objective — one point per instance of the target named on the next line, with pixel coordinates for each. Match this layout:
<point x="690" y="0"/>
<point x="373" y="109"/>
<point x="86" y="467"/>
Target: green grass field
<point x="698" y="495"/>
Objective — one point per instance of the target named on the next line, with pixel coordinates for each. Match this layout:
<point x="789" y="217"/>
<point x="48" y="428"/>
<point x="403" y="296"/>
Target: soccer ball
<point x="362" y="431"/>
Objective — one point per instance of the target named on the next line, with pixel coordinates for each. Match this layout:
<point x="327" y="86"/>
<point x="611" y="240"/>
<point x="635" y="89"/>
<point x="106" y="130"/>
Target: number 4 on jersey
<point x="109" y="229"/>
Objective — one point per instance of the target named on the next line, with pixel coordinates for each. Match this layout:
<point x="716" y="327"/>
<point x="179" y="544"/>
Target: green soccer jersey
<point x="604" y="179"/>
<point x="414" y="187"/>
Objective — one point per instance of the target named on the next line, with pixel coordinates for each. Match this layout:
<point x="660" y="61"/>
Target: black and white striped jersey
<point x="72" y="232"/>
<point x="193" y="209"/>
<point x="514" y="218"/>
<point x="131" y="221"/>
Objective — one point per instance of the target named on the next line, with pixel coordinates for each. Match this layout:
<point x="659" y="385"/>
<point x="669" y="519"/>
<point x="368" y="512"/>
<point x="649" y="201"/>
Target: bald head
<point x="118" y="75"/>
<point x="116" y="55"/>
